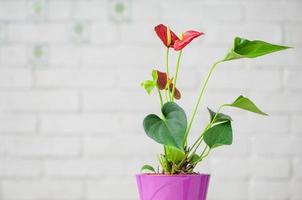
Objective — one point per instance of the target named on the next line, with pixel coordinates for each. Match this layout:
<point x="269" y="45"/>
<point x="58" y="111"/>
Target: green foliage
<point x="219" y="117"/>
<point x="174" y="155"/>
<point x="171" y="129"/>
<point x="148" y="168"/>
<point x="244" y="48"/>
<point x="154" y="75"/>
<point x="246" y="104"/>
<point x="220" y="134"/>
<point x="149" y="85"/>
<point x="164" y="163"/>
<point x="195" y="159"/>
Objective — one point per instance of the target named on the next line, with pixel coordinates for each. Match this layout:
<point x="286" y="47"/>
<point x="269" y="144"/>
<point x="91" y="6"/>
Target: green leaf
<point x="195" y="159"/>
<point x="164" y="163"/>
<point x="154" y="75"/>
<point x="148" y="85"/>
<point x="246" y="104"/>
<point x="171" y="129"/>
<point x="174" y="155"/>
<point x="244" y="48"/>
<point x="148" y="168"/>
<point x="220" y="134"/>
<point x="220" y="117"/>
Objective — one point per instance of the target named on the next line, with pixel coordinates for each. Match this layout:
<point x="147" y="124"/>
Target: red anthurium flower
<point x="177" y="94"/>
<point x="162" y="32"/>
<point x="161" y="80"/>
<point x="170" y="39"/>
<point x="162" y="83"/>
<point x="186" y="39"/>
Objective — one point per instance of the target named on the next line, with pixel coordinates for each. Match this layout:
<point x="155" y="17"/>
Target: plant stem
<point x="166" y="96"/>
<point x="198" y="142"/>
<point x="160" y="97"/>
<point x="199" y="99"/>
<point x="176" y="74"/>
<point x="200" y="138"/>
<point x="160" y="161"/>
<point x="205" y="148"/>
<point x="167" y="71"/>
<point x="173" y="169"/>
<point x="195" y="109"/>
<point x="181" y="162"/>
<point x="201" y="156"/>
<point x="206" y="154"/>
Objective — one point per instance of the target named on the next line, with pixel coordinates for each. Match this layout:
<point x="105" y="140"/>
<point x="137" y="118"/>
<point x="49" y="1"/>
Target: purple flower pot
<point x="176" y="187"/>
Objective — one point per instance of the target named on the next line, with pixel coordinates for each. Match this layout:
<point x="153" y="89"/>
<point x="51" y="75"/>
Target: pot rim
<point x="175" y="175"/>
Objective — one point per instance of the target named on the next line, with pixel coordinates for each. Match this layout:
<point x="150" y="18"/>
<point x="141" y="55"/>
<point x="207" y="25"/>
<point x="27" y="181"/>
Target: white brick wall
<point x="71" y="105"/>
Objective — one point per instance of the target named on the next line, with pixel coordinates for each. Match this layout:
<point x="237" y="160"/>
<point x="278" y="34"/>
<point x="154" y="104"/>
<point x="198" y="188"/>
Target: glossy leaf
<point x="174" y="155"/>
<point x="246" y="104"/>
<point x="164" y="163"/>
<point x="244" y="48"/>
<point x="148" y="85"/>
<point x="220" y="117"/>
<point x="154" y="75"/>
<point x="148" y="168"/>
<point x="220" y="134"/>
<point x="171" y="129"/>
<point x="195" y="159"/>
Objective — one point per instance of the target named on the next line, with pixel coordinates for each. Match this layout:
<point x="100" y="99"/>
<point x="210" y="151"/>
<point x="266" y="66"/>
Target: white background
<point x="71" y="105"/>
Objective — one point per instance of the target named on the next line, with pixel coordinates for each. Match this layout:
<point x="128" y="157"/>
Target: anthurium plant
<point x="171" y="127"/>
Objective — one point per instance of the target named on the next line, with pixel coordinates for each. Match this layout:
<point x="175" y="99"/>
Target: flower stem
<point x="176" y="74"/>
<point x="167" y="71"/>
<point x="204" y="150"/>
<point x="199" y="99"/>
<point x="166" y="96"/>
<point x="203" y="155"/>
<point x="200" y="138"/>
<point x="197" y="142"/>
<point x="160" y="97"/>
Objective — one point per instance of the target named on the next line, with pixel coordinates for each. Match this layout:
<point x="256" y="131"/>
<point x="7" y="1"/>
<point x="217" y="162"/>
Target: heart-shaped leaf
<point x="174" y="155"/>
<point x="220" y="117"/>
<point x="171" y="129"/>
<point x="246" y="104"/>
<point x="220" y="134"/>
<point x="244" y="48"/>
<point x="148" y="168"/>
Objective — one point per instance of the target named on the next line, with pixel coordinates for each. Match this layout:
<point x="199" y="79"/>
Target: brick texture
<point x="71" y="105"/>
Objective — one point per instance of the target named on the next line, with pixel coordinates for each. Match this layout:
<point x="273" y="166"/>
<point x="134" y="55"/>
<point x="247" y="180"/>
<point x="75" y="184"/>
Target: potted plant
<point x="177" y="179"/>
